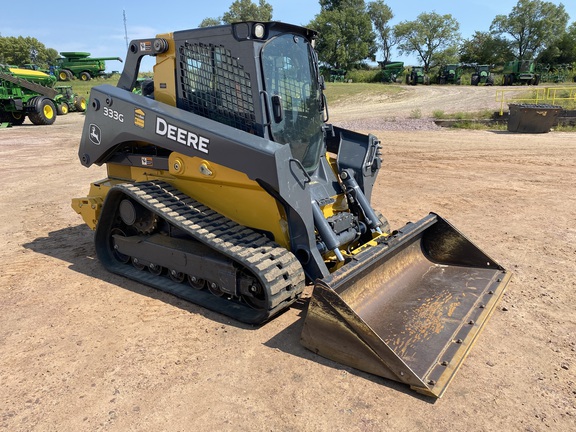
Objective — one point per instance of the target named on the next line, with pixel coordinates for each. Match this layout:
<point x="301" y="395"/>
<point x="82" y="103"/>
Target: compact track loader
<point x="228" y="188"/>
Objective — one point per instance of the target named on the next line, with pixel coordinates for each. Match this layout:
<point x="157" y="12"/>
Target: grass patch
<point x="415" y="114"/>
<point x="562" y="128"/>
<point x="83" y="87"/>
<point x="475" y="115"/>
<point x="336" y="93"/>
<point x="472" y="125"/>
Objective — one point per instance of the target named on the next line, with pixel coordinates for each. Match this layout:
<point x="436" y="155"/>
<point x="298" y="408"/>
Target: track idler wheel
<point x="176" y="276"/>
<point x="215" y="289"/>
<point x="196" y="283"/>
<point x="137" y="264"/>
<point x="256" y="298"/>
<point x="155" y="269"/>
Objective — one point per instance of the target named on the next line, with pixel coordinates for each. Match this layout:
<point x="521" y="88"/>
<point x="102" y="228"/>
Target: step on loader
<point x="227" y="186"/>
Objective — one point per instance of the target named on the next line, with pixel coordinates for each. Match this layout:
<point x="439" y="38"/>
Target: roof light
<point x="258" y="31"/>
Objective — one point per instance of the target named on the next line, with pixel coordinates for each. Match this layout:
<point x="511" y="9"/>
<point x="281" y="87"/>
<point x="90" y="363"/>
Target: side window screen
<point x="214" y="85"/>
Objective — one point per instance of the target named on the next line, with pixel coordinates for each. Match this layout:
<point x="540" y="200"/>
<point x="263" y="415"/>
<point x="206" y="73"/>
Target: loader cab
<point x="257" y="77"/>
<point x="261" y="78"/>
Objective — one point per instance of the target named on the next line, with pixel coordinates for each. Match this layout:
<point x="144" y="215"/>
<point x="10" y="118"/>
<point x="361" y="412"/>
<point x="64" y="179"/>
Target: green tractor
<point x="391" y="71"/>
<point x="482" y="75"/>
<point x="144" y="86"/>
<point x="337" y="75"/>
<point x="68" y="101"/>
<point x="449" y="74"/>
<point x="416" y="75"/>
<point x="80" y="65"/>
<point x="27" y="93"/>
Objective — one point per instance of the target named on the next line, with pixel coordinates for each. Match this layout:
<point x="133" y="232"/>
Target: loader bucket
<point x="408" y="309"/>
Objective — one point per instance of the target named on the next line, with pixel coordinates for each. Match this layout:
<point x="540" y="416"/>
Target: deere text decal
<point x="182" y="136"/>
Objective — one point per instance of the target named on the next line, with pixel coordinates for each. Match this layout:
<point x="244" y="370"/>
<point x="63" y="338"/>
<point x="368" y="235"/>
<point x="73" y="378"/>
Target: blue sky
<point x="100" y="31"/>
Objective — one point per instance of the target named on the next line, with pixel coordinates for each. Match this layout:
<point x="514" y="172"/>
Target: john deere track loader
<point x="227" y="187"/>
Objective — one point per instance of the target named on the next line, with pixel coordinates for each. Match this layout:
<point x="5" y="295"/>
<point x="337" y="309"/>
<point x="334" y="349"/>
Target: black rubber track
<point x="277" y="269"/>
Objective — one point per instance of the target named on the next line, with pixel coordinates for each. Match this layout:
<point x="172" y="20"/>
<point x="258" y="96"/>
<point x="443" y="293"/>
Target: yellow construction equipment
<point x="228" y="187"/>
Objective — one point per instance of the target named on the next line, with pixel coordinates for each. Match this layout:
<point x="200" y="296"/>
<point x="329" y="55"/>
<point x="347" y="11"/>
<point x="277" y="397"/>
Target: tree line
<point x="353" y="32"/>
<point x="20" y="50"/>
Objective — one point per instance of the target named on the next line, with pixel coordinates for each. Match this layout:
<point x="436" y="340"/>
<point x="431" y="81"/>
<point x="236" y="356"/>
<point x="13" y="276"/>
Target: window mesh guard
<point x="214" y="85"/>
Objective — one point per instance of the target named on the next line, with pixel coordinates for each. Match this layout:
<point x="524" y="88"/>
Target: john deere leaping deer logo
<point x="95" y="134"/>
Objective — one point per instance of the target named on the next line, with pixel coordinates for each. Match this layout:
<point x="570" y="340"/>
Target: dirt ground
<point x="84" y="350"/>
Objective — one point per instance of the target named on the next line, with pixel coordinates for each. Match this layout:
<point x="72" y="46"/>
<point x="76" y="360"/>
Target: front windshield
<point x="290" y="73"/>
<point x="525" y="66"/>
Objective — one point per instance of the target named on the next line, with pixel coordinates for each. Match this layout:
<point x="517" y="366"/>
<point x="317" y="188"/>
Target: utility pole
<point x="125" y="30"/>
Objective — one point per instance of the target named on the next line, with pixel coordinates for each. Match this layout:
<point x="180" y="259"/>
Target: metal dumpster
<point x="533" y="118"/>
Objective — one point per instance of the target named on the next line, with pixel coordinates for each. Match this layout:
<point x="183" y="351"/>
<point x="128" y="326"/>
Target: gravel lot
<point x="84" y="350"/>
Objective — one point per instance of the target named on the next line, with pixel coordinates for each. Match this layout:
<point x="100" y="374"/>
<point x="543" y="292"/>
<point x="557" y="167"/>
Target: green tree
<point x="531" y="26"/>
<point x="434" y="38"/>
<point x="345" y="33"/>
<point x="242" y="10"/>
<point x="329" y="5"/>
<point x="485" y="48"/>
<point x="381" y="14"/>
<point x="209" y="22"/>
<point x="245" y="10"/>
<point x="18" y="50"/>
<point x="51" y="56"/>
<point x="563" y="51"/>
